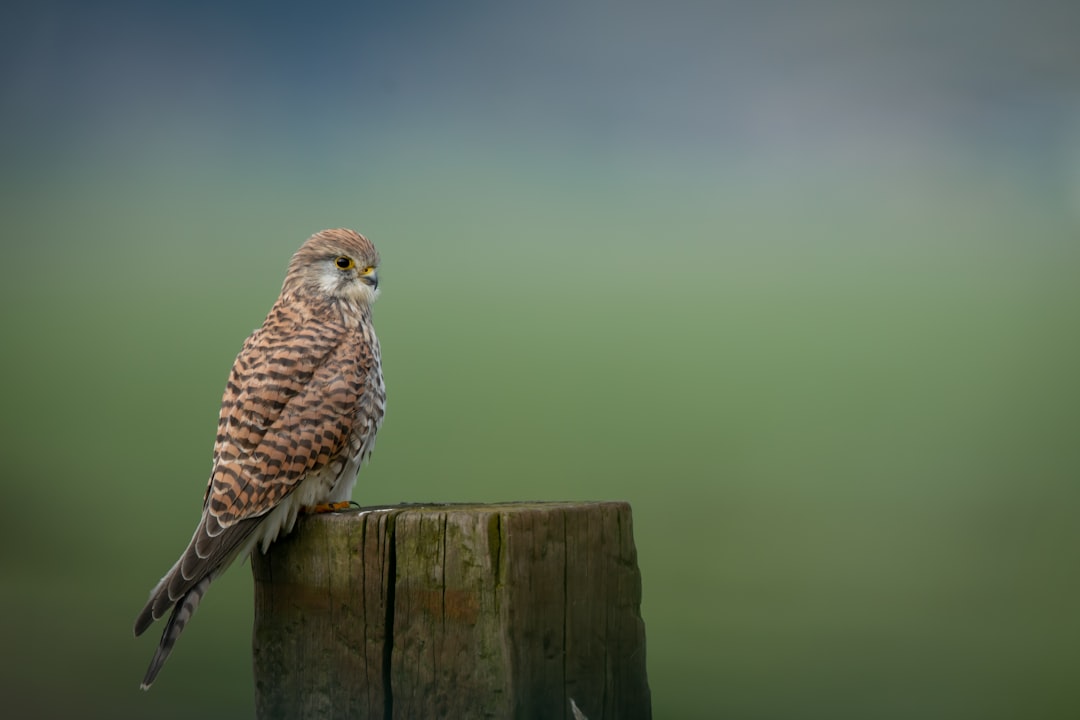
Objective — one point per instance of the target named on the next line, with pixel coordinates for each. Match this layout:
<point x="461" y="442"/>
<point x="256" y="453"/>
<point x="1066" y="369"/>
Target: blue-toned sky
<point x="723" y="87"/>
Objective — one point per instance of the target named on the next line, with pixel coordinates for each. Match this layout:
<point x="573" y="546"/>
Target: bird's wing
<point x="288" y="410"/>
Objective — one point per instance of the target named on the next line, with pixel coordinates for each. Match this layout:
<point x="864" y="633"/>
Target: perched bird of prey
<point x="303" y="403"/>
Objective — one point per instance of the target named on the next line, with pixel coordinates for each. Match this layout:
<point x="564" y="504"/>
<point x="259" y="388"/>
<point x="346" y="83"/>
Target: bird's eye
<point x="345" y="263"/>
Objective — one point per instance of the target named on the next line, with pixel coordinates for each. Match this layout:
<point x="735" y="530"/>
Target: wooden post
<point x="453" y="611"/>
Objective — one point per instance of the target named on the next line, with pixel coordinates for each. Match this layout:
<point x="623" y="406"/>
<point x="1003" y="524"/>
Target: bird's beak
<point x="371" y="279"/>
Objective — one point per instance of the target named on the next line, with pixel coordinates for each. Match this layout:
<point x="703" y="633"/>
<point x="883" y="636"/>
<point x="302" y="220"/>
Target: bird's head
<point x="336" y="265"/>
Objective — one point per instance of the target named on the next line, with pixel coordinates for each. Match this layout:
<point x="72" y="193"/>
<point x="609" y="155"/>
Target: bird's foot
<point x="329" y="507"/>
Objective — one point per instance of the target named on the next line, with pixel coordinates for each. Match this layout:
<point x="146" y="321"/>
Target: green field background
<point x="838" y="380"/>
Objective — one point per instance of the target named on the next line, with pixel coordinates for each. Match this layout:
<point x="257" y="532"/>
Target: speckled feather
<point x="300" y="412"/>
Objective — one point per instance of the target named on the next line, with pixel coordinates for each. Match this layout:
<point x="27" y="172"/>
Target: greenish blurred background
<point x="800" y="281"/>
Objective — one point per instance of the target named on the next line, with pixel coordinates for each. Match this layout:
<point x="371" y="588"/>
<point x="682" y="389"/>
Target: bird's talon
<point x="327" y="508"/>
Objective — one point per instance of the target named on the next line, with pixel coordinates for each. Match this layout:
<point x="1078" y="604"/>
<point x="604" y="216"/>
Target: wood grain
<point x="455" y="611"/>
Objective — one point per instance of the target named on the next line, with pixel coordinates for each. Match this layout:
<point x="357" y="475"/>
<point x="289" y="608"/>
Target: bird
<point x="299" y="415"/>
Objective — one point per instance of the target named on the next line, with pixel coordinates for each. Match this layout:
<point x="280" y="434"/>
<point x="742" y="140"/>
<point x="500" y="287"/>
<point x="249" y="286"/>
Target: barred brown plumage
<point x="300" y="412"/>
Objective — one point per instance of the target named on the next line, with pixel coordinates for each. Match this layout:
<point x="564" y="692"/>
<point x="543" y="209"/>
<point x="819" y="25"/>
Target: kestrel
<point x="303" y="403"/>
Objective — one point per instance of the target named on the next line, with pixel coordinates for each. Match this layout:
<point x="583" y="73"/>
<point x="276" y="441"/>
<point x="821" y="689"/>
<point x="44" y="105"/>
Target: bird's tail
<point x="183" y="610"/>
<point x="211" y="550"/>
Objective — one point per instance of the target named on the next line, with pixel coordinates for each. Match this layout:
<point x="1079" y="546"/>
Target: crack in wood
<point x="388" y="624"/>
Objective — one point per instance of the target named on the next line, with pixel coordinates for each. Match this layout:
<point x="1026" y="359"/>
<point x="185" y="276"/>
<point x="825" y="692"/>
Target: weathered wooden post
<point x="453" y="611"/>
